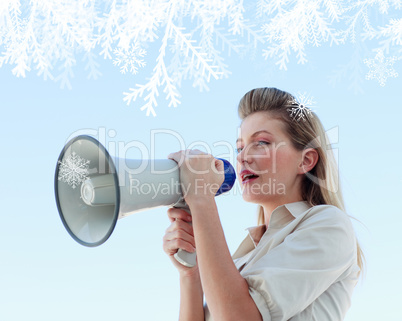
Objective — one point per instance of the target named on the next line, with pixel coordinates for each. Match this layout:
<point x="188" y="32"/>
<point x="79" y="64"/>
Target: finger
<point x="219" y="166"/>
<point x="181" y="155"/>
<point x="179" y="235"/>
<point x="219" y="169"/>
<point x="178" y="214"/>
<point x="178" y="157"/>
<point x="180" y="225"/>
<point x="171" y="247"/>
<point x="178" y="240"/>
<point x="196" y="152"/>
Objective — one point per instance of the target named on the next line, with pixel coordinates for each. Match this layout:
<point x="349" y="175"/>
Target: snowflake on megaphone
<point x="73" y="170"/>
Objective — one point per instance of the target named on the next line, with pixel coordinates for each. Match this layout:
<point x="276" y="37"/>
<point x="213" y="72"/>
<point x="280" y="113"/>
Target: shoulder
<point x="329" y="221"/>
<point x="327" y="214"/>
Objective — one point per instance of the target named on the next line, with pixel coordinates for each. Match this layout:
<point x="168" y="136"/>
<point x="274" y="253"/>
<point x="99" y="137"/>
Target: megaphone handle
<point x="183" y="257"/>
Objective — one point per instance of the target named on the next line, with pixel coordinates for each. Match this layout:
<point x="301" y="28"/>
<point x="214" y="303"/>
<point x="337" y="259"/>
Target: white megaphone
<point x="93" y="190"/>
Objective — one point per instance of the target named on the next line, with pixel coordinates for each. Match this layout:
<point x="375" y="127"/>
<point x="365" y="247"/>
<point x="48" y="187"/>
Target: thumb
<point x="219" y="168"/>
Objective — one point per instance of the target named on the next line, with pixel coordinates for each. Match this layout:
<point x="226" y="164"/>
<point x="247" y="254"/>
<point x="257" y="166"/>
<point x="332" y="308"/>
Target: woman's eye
<point x="262" y="143"/>
<point x="239" y="149"/>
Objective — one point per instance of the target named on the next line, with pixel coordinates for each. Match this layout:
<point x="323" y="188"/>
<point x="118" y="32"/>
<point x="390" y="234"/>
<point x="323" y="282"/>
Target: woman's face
<point x="268" y="165"/>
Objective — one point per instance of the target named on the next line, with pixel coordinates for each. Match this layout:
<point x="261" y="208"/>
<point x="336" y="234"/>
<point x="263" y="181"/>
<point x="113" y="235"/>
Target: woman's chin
<point x="255" y="197"/>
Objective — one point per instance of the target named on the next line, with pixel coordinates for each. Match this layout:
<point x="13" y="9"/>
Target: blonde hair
<point x="320" y="185"/>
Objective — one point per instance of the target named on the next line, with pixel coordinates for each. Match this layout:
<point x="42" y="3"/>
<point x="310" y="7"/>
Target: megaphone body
<point x="94" y="190"/>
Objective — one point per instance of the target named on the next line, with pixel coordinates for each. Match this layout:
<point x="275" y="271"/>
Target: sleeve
<point x="289" y="277"/>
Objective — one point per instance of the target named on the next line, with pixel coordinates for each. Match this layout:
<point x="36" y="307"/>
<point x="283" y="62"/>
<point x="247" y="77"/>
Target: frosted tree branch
<point x="191" y="38"/>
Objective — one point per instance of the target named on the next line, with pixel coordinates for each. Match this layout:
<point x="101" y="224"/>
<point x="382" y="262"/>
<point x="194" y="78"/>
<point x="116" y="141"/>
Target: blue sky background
<point x="46" y="276"/>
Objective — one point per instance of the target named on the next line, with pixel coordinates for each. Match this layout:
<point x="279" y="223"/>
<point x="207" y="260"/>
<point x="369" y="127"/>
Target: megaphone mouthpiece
<point x="99" y="190"/>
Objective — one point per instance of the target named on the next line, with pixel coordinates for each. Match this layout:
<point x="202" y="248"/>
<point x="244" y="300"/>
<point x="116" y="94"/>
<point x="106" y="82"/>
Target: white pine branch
<point x="397" y="4"/>
<point x="107" y="27"/>
<point x="236" y="19"/>
<point x="268" y="7"/>
<point x="47" y="35"/>
<point x="198" y="58"/>
<point x="226" y="41"/>
<point x="159" y="77"/>
<point x="92" y="65"/>
<point x="334" y="9"/>
<point x="66" y="69"/>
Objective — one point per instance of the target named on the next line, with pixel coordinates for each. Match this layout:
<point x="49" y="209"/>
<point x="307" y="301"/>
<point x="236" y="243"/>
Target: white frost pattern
<point x="191" y="37"/>
<point x="73" y="170"/>
<point x="381" y="68"/>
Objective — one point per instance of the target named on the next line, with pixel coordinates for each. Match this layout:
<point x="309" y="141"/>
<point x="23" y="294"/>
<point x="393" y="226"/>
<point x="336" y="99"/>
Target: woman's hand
<point x="201" y="175"/>
<point x="179" y="235"/>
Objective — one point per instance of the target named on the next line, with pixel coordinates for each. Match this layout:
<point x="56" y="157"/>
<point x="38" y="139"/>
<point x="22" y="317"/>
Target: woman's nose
<point x="244" y="156"/>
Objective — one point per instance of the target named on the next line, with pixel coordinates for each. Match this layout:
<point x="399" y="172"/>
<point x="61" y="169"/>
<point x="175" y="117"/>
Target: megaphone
<point x="93" y="190"/>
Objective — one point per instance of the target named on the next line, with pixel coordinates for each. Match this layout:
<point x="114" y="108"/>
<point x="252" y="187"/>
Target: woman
<point x="302" y="261"/>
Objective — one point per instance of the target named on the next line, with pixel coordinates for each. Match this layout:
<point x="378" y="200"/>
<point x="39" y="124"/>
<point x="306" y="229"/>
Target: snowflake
<point x="300" y="108"/>
<point x="129" y="58"/>
<point x="381" y="68"/>
<point x="73" y="170"/>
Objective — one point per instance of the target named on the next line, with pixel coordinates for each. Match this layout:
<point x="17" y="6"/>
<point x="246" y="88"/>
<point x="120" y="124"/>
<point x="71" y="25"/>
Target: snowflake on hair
<point x="300" y="108"/>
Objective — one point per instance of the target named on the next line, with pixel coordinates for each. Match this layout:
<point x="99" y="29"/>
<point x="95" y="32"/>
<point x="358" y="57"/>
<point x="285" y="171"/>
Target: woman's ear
<point x="309" y="160"/>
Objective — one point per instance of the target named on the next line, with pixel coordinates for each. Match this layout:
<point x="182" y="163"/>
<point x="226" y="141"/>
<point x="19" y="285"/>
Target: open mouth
<point x="248" y="176"/>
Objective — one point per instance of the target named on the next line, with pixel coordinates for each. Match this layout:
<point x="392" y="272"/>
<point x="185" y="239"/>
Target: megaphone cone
<point x="93" y="190"/>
